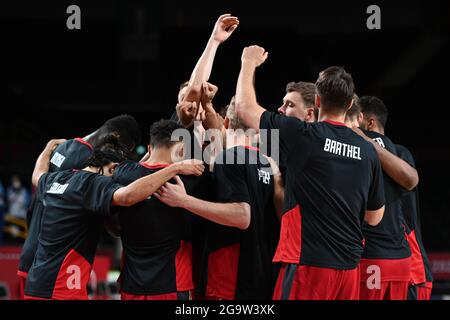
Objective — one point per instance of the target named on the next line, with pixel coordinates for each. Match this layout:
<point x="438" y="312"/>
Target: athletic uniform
<point x="237" y="263"/>
<point x="333" y="177"/>
<point x="71" y="154"/>
<point x="156" y="239"/>
<point x="421" y="281"/>
<point x="74" y="203"/>
<point x="386" y="246"/>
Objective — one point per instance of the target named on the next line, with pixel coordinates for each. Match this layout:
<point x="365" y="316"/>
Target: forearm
<point x="398" y="169"/>
<point x="202" y="70"/>
<point x="278" y="198"/>
<point x="144" y="187"/>
<point x="227" y="214"/>
<point x="247" y="107"/>
<point x="42" y="166"/>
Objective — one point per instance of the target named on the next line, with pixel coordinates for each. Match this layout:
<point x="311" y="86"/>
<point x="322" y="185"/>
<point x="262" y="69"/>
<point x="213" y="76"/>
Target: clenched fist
<point x="254" y="55"/>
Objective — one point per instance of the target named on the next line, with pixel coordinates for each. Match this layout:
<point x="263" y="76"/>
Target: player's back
<point x="156" y="238"/>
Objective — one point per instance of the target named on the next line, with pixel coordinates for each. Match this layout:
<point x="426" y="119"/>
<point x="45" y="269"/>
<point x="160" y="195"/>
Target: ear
<point x="113" y="168"/>
<point x="309" y="114"/>
<point x="360" y="118"/>
<point x="180" y="151"/>
<point x="370" y="124"/>
<point x="226" y="123"/>
<point x="317" y="101"/>
<point x="350" y="105"/>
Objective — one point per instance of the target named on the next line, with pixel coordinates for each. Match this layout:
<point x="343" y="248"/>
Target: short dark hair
<point x="374" y="106"/>
<point x="335" y="88"/>
<point x="355" y="108"/>
<point x="125" y="127"/>
<point x="110" y="151"/>
<point x="161" y="133"/>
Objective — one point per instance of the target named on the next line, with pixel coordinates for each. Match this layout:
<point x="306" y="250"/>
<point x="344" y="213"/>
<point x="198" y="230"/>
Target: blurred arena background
<point x="131" y="56"/>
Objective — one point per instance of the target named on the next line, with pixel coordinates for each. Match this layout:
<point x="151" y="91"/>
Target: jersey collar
<point x="154" y="166"/>
<point x="336" y="123"/>
<point x="80" y="140"/>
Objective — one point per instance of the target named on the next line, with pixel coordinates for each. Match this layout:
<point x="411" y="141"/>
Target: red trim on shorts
<point x="80" y="140"/>
<point x="154" y="166"/>
<point x="164" y="296"/>
<point x="336" y="123"/>
<point x="183" y="267"/>
<point x="25" y="297"/>
<point x="22" y="281"/>
<point x="417" y="265"/>
<point x="390" y="269"/>
<point x="424" y="291"/>
<point x="290" y="243"/>
<point x="222" y="272"/>
<point x="72" y="279"/>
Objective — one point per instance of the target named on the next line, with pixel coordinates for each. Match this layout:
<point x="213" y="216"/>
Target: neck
<point x="160" y="156"/>
<point x="91" y="169"/>
<point x="234" y="140"/>
<point x="331" y="117"/>
<point x="378" y="129"/>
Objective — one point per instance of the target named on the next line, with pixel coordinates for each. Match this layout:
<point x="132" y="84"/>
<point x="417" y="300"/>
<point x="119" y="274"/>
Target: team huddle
<point x="331" y="212"/>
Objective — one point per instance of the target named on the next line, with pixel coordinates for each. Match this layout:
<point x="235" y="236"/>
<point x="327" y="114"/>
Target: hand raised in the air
<point x="224" y="27"/>
<point x="254" y="55"/>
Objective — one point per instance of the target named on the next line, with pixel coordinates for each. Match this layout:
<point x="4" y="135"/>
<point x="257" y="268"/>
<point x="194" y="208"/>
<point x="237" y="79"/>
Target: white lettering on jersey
<point x="74" y="280"/>
<point x="57" y="159"/>
<point x="264" y="176"/>
<point x="380" y="142"/>
<point x="342" y="149"/>
<point x="374" y="280"/>
<point x="57" y="188"/>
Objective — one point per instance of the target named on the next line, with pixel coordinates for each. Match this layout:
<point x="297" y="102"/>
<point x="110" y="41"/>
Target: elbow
<point x="412" y="181"/>
<point x="123" y="198"/>
<point x="243" y="222"/>
<point x="373" y="218"/>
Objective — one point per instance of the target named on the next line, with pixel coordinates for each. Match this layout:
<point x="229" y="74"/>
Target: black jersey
<point x="420" y="264"/>
<point x="238" y="262"/>
<point x="74" y="202"/>
<point x="71" y="154"/>
<point x="333" y="177"/>
<point x="156" y="238"/>
<point x="387" y="240"/>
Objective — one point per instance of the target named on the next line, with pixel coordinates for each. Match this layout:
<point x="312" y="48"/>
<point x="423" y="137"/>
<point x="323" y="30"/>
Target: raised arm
<point x="43" y="162"/>
<point x="247" y="107"/>
<point x="234" y="214"/>
<point x="224" y="27"/>
<point x="144" y="187"/>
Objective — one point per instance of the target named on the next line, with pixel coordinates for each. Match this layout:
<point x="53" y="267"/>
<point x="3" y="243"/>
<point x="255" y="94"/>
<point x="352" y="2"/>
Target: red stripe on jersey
<point x="251" y="148"/>
<point x="154" y="166"/>
<point x="417" y="266"/>
<point x="80" y="140"/>
<point x="183" y="267"/>
<point x="290" y="243"/>
<point x="336" y="123"/>
<point x="73" y="276"/>
<point x="222" y="272"/>
<point x="390" y="269"/>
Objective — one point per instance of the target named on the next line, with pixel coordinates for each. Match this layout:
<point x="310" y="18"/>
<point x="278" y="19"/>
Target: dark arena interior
<point x="130" y="57"/>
